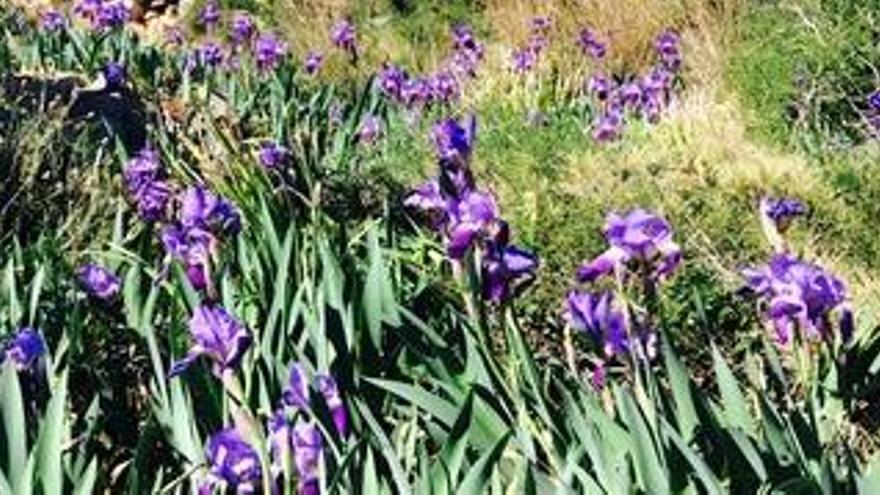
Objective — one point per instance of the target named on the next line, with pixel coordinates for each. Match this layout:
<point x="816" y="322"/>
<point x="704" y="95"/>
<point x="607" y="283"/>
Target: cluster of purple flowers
<point x="103" y="14"/>
<point x="296" y="443"/>
<point x="23" y="349"/>
<point x="640" y="247"/>
<point x="795" y="294"/>
<point x="798" y="295"/>
<point x="526" y="57"/>
<point x="642" y="97"/>
<point x="443" y="85"/>
<point x="469" y="218"/>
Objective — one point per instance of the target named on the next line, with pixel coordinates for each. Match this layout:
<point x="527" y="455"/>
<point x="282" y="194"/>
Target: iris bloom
<point x="233" y="463"/>
<point x="307" y="449"/>
<point x="344" y="37"/>
<point x="201" y="208"/>
<point x="506" y="270"/>
<point x="296" y="395"/>
<point x="369" y="130"/>
<point x="780" y="211"/>
<point x="269" y="51"/>
<point x="52" y="20"/>
<point x="23" y="349"/>
<point x="272" y="154"/>
<point x="797" y="295"/>
<point x="314" y="61"/>
<point x="114" y="75"/>
<point x="217" y="335"/>
<point x="639" y="237"/>
<point x="145" y="185"/>
<point x="210" y="54"/>
<point x="209" y="16"/>
<point x="98" y="281"/>
<point x="600" y="87"/>
<point x="391" y="80"/>
<point x="667" y="47"/>
<point x="599" y="315"/>
<point x="243" y="28"/>
<point x="591" y="45"/>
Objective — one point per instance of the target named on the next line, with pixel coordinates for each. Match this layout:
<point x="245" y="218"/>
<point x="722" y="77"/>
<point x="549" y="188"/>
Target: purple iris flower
<point x="467" y="51"/>
<point x="218" y="335"/>
<point x="541" y="24"/>
<point x="88" y="9"/>
<point x="273" y="154"/>
<point x="506" y="269"/>
<point x="269" y="51"/>
<point x="201" y="208"/>
<point x="600" y="86"/>
<point x="99" y="281"/>
<point x="52" y="20"/>
<point x="667" y="47"/>
<point x="369" y="130"/>
<point x="591" y="45"/>
<point x="415" y="92"/>
<point x="631" y="95"/>
<point x="210" y="54"/>
<point x="114" y="75"/>
<point x="307" y="448"/>
<point x="194" y="247"/>
<point x="454" y="142"/>
<point x="344" y="37"/>
<point x="391" y="80"/>
<point x="209" y="16"/>
<point x="243" y="28"/>
<point x="797" y="295"/>
<point x="874" y="101"/>
<point x="111" y="15"/>
<point x="23" y="349"/>
<point x="469" y="218"/>
<point x="234" y="464"/>
<point x="330" y="391"/>
<point x="523" y="60"/>
<point x="780" y="211"/>
<point x="444" y="87"/>
<point x="639" y="237"/>
<point x="143" y="181"/>
<point x="600" y="317"/>
<point x="314" y="61"/>
<point x="608" y="128"/>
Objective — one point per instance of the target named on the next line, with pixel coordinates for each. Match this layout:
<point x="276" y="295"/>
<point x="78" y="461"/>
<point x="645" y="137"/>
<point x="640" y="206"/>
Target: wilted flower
<point x="599" y="315"/>
<point x="174" y="36"/>
<point x="98" y="281"/>
<point x="638" y="237"/>
<point x="799" y="295"/>
<point x="369" y="130"/>
<point x="217" y="335"/>
<point x="273" y="154"/>
<point x="233" y="463"/>
<point x="296" y="393"/>
<point x="591" y="45"/>
<point x="209" y="16"/>
<point x="24" y="349"/>
<point x="268" y="51"/>
<point x="343" y="36"/>
<point x="330" y="391"/>
<point x="313" y="62"/>
<point x="243" y="28"/>
<point x="114" y="75"/>
<point x="52" y="20"/>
